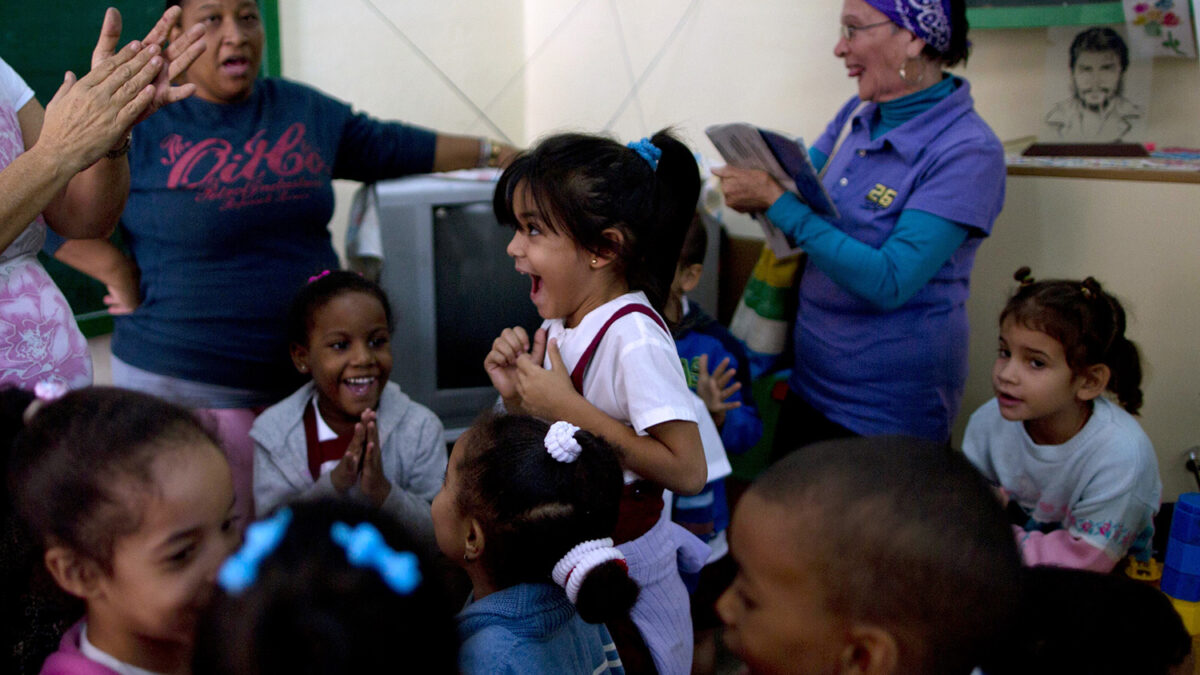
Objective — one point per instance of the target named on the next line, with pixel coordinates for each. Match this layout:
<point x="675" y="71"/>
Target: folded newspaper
<point x="745" y="146"/>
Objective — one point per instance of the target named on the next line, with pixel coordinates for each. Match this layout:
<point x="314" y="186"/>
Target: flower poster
<point x="1160" y="27"/>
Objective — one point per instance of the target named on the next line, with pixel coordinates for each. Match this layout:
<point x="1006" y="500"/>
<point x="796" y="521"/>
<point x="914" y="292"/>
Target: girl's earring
<point x="594" y="261"/>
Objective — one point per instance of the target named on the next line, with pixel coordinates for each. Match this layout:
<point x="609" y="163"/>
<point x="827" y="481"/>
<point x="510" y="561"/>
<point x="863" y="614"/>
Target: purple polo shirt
<point x="899" y="371"/>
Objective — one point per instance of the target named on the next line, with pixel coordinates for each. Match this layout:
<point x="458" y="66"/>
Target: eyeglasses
<point x="848" y="32"/>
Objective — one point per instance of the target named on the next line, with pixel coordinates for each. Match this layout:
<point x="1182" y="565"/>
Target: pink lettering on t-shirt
<point x="214" y="161"/>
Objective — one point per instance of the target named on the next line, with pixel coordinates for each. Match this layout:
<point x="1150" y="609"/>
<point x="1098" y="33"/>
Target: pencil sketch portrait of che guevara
<point x="1097" y="110"/>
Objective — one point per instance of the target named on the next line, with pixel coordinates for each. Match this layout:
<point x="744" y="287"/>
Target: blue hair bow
<point x="241" y="569"/>
<point x="649" y="152"/>
<point x="365" y="548"/>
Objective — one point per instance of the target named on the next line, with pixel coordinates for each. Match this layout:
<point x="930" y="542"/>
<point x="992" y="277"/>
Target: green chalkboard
<point x="42" y="40"/>
<point x="1032" y="13"/>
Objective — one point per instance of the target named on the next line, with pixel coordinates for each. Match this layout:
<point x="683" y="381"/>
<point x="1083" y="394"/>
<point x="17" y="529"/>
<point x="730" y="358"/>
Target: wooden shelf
<point x="1154" y="175"/>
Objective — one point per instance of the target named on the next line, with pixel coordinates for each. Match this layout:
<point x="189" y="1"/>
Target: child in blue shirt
<point x="700" y="341"/>
<point x="528" y="510"/>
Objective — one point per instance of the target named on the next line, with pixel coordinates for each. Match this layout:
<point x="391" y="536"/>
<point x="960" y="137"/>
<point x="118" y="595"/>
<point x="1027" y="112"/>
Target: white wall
<point x="346" y="49"/>
<point x="771" y="62"/>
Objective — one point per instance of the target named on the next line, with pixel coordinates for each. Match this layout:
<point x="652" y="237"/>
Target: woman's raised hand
<point x="88" y="117"/>
<point x="91" y="115"/>
<point x="178" y="55"/>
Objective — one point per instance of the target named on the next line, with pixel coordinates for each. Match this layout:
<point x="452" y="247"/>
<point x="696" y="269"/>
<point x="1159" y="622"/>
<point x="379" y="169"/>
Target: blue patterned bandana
<point x="927" y="19"/>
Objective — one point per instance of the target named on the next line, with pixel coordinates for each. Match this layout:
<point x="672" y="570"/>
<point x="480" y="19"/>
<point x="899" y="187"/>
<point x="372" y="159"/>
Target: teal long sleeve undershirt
<point x="890" y="275"/>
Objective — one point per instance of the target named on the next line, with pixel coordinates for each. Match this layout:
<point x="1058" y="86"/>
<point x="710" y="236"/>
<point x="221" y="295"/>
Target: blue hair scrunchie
<point x="365" y="547"/>
<point x="363" y="543"/>
<point x="649" y="152"/>
<point x="240" y="570"/>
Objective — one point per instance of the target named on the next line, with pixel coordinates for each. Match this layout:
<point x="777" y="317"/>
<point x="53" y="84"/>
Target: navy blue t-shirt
<point x="227" y="218"/>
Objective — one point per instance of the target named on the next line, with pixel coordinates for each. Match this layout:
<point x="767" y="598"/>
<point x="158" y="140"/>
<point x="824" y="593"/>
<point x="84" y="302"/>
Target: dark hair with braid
<point x="322" y="289"/>
<point x="534" y="509"/>
<point x="1090" y="324"/>
<point x="585" y="184"/>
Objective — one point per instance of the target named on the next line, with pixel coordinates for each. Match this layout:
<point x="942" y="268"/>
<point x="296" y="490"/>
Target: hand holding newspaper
<point x="747" y="147"/>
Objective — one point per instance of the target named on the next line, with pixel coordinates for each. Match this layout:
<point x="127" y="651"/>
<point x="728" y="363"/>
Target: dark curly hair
<point x="534" y="509"/>
<point x="1088" y="322"/>
<point x="317" y="293"/>
<point x="311" y="611"/>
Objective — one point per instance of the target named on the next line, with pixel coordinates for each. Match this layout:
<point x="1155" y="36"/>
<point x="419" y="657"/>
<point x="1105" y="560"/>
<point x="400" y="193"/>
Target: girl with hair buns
<point x="528" y="510"/>
<point x="1079" y="467"/>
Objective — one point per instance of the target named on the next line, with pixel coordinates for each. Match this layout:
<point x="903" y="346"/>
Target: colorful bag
<point x="767" y="310"/>
<point x="764" y="316"/>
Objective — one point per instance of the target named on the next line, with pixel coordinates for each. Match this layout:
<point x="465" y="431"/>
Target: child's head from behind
<point x="591" y="214"/>
<point x="1063" y="609"/>
<point x="1062" y="343"/>
<point x="339" y="332"/>
<point x="885" y="554"/>
<point x="511" y="510"/>
<point x="132" y="501"/>
<point x="304" y="606"/>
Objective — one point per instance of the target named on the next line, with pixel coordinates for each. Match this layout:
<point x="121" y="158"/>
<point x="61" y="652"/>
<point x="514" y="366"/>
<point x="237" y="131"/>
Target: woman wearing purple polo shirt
<point x="918" y="178"/>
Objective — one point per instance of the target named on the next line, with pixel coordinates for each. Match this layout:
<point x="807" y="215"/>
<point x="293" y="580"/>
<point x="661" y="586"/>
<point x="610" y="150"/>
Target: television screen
<point x="477" y="293"/>
<point x="453" y="289"/>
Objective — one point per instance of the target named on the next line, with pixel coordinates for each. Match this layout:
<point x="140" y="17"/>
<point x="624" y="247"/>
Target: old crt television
<point x="453" y="289"/>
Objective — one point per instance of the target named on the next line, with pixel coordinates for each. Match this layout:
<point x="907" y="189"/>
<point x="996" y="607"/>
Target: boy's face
<point x="775" y="613"/>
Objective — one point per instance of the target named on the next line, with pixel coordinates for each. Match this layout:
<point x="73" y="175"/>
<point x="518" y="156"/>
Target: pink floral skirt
<point x="39" y="339"/>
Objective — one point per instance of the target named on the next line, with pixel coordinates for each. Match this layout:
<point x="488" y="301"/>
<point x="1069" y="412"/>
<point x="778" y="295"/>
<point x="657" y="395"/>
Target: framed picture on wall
<point x="1097" y="90"/>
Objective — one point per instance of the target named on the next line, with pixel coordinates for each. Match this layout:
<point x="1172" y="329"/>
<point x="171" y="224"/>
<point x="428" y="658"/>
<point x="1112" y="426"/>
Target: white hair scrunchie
<point x="570" y="571"/>
<point x="561" y="444"/>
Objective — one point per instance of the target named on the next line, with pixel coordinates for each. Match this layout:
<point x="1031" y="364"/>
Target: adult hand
<point x="544" y="393"/>
<point x="178" y="55"/>
<point x="89" y="116"/>
<point x="715" y="388"/>
<point x="748" y="190"/>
